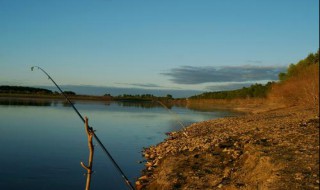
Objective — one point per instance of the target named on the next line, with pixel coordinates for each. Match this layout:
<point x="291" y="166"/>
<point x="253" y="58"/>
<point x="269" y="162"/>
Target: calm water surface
<point x="42" y="143"/>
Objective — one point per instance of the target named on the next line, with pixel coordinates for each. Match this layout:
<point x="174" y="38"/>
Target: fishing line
<point x="91" y="130"/>
<point x="175" y="116"/>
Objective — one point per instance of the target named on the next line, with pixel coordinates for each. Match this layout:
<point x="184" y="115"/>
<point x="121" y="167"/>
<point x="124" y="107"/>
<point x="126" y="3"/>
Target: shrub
<point x="300" y="86"/>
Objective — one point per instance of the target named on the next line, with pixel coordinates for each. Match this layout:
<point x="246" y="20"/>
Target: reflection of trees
<point x="152" y="104"/>
<point x="67" y="104"/>
<point x="144" y="104"/>
<point x="24" y="102"/>
<point x="192" y="105"/>
<point x="55" y="102"/>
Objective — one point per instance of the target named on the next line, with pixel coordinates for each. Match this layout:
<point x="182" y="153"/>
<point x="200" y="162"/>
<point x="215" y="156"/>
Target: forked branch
<point x="91" y="149"/>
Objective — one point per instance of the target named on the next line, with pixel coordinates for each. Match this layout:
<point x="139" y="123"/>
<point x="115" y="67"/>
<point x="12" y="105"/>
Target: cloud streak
<point x="199" y="75"/>
<point x="146" y="85"/>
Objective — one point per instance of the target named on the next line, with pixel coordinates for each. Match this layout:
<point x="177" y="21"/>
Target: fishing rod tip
<point x="33" y="67"/>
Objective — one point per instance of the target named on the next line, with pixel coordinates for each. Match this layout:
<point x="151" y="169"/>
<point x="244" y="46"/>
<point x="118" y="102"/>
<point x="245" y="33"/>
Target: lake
<point x="43" y="142"/>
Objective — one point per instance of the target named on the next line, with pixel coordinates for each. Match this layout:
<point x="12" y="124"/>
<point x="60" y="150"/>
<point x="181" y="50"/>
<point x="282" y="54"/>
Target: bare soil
<point x="275" y="149"/>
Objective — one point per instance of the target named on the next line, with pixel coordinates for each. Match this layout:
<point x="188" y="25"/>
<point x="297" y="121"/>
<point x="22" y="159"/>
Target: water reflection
<point x="134" y="104"/>
<point x="152" y="104"/>
<point x="54" y="102"/>
<point x="51" y="140"/>
<point x="33" y="102"/>
<point x="25" y="102"/>
<point x="67" y="104"/>
<point x="139" y="104"/>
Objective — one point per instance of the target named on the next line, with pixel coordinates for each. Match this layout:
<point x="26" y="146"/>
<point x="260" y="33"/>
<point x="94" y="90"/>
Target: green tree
<point x="169" y="96"/>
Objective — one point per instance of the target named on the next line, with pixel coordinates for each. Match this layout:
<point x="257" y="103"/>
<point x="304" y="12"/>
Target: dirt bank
<point x="277" y="149"/>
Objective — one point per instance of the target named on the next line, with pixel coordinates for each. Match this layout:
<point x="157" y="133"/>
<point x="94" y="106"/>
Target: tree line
<point x="299" y="84"/>
<point x="6" y="89"/>
<point x="294" y="69"/>
<point x="261" y="91"/>
<point x="253" y="91"/>
<point x="141" y="97"/>
<point x="23" y="90"/>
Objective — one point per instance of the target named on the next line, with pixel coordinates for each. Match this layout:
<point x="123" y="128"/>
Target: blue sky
<point x="149" y="44"/>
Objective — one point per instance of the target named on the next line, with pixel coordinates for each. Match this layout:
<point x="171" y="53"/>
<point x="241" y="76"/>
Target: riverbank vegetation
<point x="299" y="85"/>
<point x="254" y="91"/>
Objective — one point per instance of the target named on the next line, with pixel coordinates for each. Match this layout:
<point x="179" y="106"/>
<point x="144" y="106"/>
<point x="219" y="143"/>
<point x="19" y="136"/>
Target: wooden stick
<point x="91" y="149"/>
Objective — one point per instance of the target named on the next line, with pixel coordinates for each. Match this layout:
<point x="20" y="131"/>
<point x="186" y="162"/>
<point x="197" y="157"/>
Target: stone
<point x="226" y="172"/>
<point x="148" y="164"/>
<point x="143" y="178"/>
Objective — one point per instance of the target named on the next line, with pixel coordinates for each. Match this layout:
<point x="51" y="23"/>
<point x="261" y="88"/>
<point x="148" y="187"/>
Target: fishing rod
<point x="91" y="130"/>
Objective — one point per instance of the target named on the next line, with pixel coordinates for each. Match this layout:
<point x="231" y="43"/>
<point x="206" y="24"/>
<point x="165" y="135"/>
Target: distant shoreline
<point x="56" y="97"/>
<point x="103" y="99"/>
<point x="251" y="105"/>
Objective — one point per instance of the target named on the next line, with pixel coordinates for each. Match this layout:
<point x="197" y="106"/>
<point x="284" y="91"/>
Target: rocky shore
<point x="275" y="149"/>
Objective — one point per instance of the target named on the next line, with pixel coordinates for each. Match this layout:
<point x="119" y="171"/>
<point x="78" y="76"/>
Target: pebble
<point x="226" y="172"/>
<point x="143" y="177"/>
<point x="148" y="164"/>
<point x="138" y="183"/>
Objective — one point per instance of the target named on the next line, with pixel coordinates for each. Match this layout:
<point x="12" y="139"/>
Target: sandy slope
<point x="277" y="149"/>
